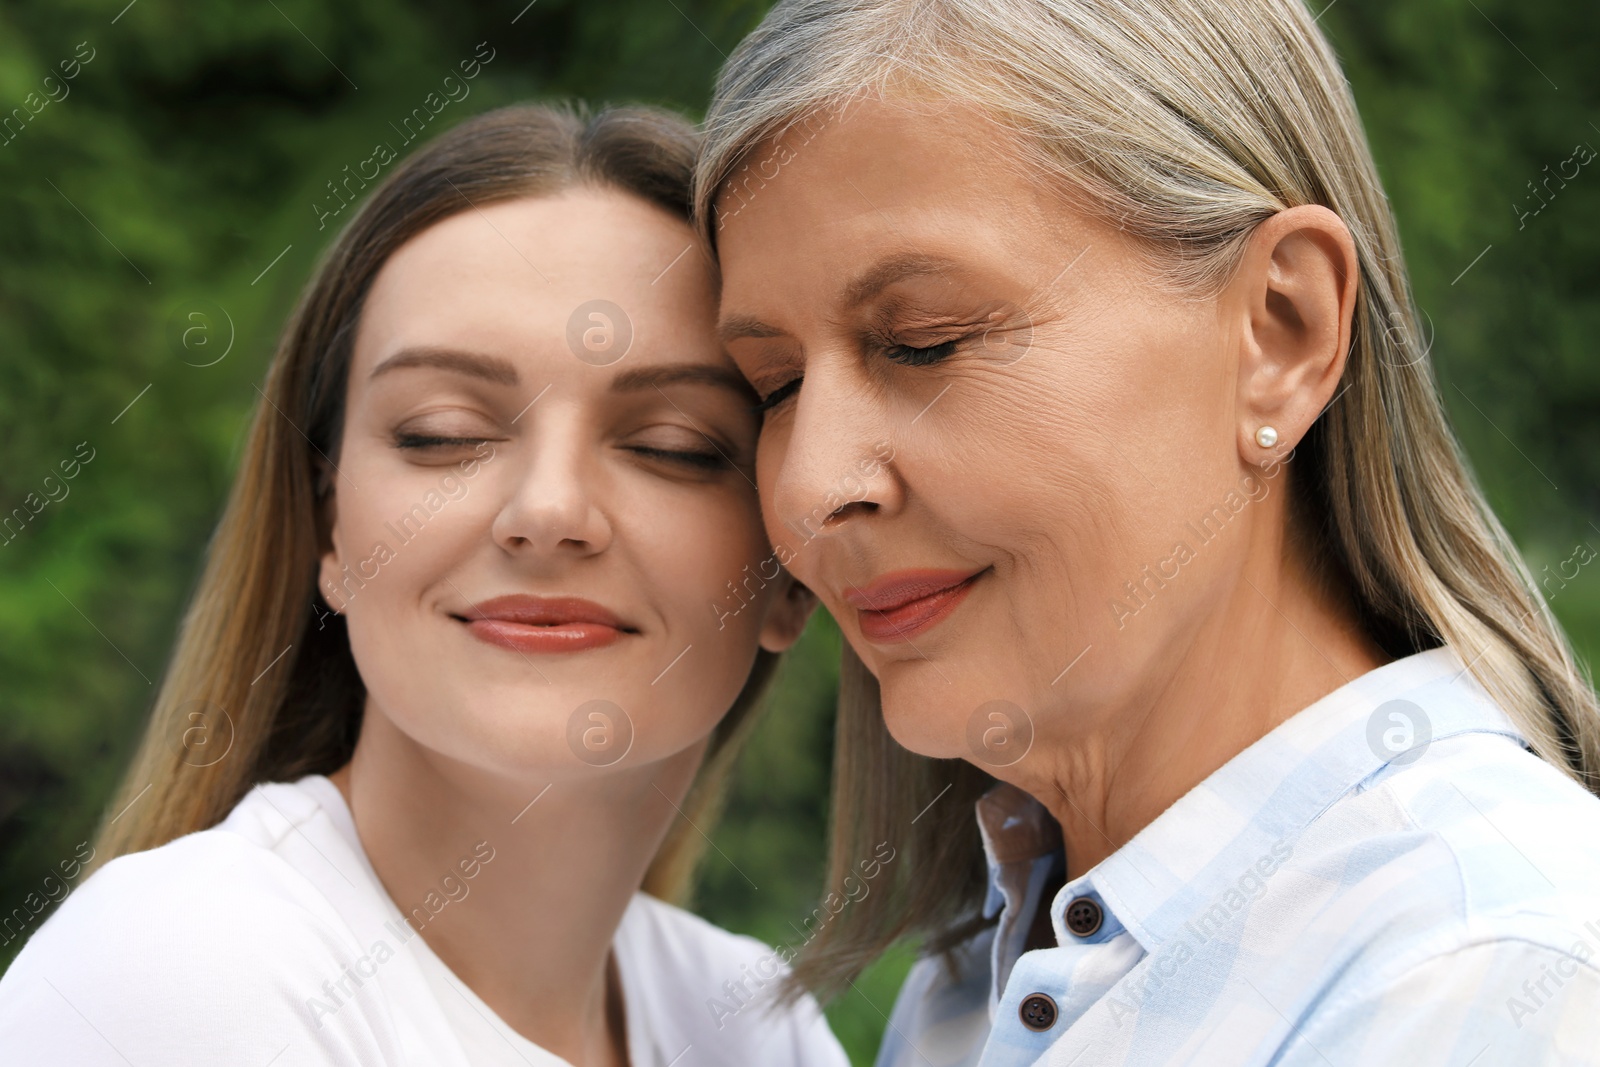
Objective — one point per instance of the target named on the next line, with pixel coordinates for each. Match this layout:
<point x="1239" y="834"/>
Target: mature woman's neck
<point x="1275" y="643"/>
<point x="533" y="934"/>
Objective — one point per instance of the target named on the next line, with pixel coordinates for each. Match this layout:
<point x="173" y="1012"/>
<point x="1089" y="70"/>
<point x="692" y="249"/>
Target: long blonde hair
<point x="1185" y="123"/>
<point x="261" y="685"/>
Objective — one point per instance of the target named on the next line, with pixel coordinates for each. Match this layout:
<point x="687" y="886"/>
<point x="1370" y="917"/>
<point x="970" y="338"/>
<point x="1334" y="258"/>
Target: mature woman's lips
<point x="903" y="604"/>
<point x="543" y="624"/>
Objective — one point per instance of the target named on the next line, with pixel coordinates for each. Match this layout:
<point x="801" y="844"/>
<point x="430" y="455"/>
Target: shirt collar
<point x="1017" y="830"/>
<point x="1254" y="806"/>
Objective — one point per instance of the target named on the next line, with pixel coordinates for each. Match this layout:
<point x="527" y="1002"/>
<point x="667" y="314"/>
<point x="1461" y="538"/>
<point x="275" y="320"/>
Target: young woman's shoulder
<point x="702" y="986"/>
<point x="205" y="950"/>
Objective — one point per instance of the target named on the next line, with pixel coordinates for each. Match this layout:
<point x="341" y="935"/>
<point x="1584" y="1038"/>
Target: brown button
<point x="1038" y="1012"/>
<point x="1084" y="916"/>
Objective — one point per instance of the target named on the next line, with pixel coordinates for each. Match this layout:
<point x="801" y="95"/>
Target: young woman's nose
<point x="552" y="494"/>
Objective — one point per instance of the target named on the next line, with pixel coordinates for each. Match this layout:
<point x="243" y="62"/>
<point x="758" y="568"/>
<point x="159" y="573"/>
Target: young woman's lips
<point x="543" y="624"/>
<point x="900" y="605"/>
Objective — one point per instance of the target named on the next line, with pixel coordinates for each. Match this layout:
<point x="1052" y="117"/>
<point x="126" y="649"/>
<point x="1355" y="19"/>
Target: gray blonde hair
<point x="1185" y="123"/>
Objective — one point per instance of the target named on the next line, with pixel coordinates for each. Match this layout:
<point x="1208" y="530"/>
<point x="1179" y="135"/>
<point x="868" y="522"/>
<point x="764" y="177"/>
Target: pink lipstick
<point x="902" y="604"/>
<point x="543" y="624"/>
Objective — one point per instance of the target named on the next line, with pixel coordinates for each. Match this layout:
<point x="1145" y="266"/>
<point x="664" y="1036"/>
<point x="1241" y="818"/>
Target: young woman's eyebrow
<point x="475" y="364"/>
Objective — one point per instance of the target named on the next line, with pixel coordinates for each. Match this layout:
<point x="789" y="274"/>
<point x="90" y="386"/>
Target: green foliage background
<point x="193" y="144"/>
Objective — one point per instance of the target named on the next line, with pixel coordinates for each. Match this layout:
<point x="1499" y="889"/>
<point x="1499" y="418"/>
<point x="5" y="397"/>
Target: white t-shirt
<point x="269" y="940"/>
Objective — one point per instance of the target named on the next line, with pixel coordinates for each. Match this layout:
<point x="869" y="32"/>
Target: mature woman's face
<point x="898" y="286"/>
<point x="540" y="497"/>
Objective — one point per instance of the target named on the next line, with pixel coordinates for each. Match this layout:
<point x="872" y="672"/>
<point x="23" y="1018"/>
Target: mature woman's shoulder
<point x="1511" y="834"/>
<point x="719" y="989"/>
<point x="204" y="950"/>
<point x="1462" y="886"/>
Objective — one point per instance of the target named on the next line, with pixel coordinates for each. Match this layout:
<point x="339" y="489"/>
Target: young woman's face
<point x="544" y="490"/>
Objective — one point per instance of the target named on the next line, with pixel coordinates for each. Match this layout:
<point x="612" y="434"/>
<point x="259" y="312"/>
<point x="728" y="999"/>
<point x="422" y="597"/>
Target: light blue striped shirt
<point x="1388" y="877"/>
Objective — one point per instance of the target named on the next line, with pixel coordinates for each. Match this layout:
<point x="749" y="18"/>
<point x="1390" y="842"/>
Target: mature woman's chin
<point x="931" y="727"/>
<point x="915" y="732"/>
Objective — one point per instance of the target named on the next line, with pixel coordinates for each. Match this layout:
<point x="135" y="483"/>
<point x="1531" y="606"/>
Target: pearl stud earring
<point x="1266" y="437"/>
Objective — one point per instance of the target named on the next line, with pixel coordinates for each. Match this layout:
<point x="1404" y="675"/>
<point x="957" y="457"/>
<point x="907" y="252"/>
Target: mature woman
<point x="449" y="693"/>
<point x="1294" y="765"/>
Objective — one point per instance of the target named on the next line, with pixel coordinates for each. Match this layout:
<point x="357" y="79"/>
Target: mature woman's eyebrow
<point x="680" y="374"/>
<point x="475" y="364"/>
<point x="735" y="327"/>
<point x="896" y="268"/>
<point x="858" y="291"/>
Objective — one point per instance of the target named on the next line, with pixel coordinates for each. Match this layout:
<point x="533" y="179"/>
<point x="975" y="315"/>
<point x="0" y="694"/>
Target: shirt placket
<point x="1049" y="989"/>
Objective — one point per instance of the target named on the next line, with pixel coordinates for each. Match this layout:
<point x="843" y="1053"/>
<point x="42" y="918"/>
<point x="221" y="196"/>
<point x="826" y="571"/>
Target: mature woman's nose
<point x="835" y="456"/>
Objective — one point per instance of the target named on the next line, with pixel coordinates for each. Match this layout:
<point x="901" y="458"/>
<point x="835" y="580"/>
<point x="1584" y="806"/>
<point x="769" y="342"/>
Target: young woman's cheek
<point x="713" y="561"/>
<point x="405" y="526"/>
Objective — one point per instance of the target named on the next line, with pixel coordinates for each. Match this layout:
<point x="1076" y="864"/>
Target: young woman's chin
<point x="567" y="730"/>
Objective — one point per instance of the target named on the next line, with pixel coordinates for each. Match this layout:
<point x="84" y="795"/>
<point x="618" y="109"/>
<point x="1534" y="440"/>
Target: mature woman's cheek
<point x="793" y="550"/>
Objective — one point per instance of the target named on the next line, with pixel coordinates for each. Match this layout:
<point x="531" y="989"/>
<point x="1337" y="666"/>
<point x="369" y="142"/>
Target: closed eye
<point x="778" y="396"/>
<point x="705" y="461"/>
<point x="422" y="441"/>
<point x="908" y="356"/>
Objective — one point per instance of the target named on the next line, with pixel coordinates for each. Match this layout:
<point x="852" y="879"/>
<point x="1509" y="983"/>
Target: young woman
<point x="454" y="686"/>
<point x="1295" y="767"/>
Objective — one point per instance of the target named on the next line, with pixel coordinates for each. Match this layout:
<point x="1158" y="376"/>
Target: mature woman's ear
<point x="1296" y="294"/>
<point x="787" y="614"/>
